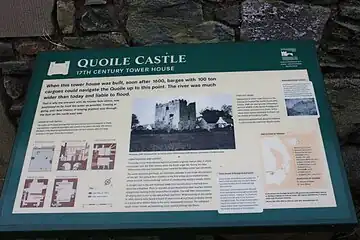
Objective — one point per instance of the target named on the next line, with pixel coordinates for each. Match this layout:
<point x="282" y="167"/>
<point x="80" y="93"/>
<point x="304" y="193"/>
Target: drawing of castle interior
<point x="103" y="156"/>
<point x="41" y="159"/>
<point x="64" y="193"/>
<point x="73" y="156"/>
<point x="34" y="193"/>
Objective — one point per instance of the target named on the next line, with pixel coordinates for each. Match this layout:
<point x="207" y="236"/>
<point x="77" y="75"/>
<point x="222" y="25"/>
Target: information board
<point x="176" y="136"/>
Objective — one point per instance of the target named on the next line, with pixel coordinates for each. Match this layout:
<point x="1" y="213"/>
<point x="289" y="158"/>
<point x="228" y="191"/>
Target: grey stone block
<point x="94" y="2"/>
<point x="15" y="87"/>
<point x="66" y="16"/>
<point x="16" y="67"/>
<point x="99" y="19"/>
<point x="159" y="25"/>
<point x="105" y="40"/>
<point x="344" y="98"/>
<point x="229" y="14"/>
<point x="207" y="32"/>
<point x="30" y="47"/>
<point x="6" y="51"/>
<point x="276" y="20"/>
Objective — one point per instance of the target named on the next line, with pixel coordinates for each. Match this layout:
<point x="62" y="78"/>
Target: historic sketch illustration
<point x="34" y="193"/>
<point x="41" y="159"/>
<point x="301" y="107"/>
<point x="64" y="192"/>
<point x="103" y="157"/>
<point x="73" y="156"/>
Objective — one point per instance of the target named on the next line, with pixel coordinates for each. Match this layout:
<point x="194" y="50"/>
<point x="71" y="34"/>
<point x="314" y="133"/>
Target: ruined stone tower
<point x="175" y="115"/>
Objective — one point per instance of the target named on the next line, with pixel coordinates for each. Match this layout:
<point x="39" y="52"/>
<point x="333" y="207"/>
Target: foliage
<point x="227" y="109"/>
<point x="211" y="115"/>
<point x="134" y="120"/>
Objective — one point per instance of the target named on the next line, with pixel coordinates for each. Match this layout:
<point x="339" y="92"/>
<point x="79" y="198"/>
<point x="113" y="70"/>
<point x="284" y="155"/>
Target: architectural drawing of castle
<point x="103" y="156"/>
<point x="64" y="192"/>
<point x="34" y="193"/>
<point x="175" y="115"/>
<point x="41" y="159"/>
<point x="73" y="156"/>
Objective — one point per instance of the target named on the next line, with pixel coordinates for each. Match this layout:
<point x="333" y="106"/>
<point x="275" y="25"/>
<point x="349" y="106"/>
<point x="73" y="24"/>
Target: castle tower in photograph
<point x="175" y="115"/>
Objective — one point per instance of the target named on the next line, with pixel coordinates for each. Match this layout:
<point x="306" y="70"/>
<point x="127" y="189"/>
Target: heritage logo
<point x="288" y="54"/>
<point x="289" y="58"/>
<point x="58" y="68"/>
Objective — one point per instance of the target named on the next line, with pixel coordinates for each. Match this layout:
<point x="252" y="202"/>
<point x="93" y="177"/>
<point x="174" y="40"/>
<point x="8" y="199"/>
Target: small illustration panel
<point x="41" y="159"/>
<point x="299" y="98"/>
<point x="64" y="192"/>
<point x="100" y="193"/>
<point x="73" y="156"/>
<point x="301" y="107"/>
<point x="103" y="156"/>
<point x="34" y="193"/>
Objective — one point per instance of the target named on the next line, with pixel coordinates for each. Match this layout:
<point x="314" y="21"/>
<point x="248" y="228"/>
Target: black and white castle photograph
<point x="182" y="123"/>
<point x="301" y="107"/>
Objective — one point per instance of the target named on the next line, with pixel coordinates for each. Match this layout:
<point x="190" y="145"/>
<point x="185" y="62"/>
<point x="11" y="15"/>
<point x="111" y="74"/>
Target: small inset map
<point x="293" y="160"/>
<point x="64" y="192"/>
<point x="41" y="159"/>
<point x="103" y="156"/>
<point x="296" y="175"/>
<point x="34" y="193"/>
<point x="73" y="156"/>
<point x="277" y="156"/>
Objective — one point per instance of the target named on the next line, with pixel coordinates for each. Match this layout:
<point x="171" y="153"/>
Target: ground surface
<point x="182" y="141"/>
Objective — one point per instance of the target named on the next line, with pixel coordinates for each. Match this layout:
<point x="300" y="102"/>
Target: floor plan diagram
<point x="41" y="159"/>
<point x="64" y="192"/>
<point x="103" y="156"/>
<point x="34" y="193"/>
<point x="73" y="156"/>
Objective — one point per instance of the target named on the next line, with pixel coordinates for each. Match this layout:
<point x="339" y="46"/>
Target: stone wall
<point x="187" y="115"/>
<point x="334" y="24"/>
<point x="167" y="115"/>
<point x="175" y="115"/>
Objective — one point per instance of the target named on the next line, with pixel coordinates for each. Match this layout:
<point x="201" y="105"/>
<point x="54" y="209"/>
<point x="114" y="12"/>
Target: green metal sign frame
<point x="224" y="57"/>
